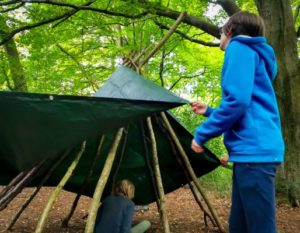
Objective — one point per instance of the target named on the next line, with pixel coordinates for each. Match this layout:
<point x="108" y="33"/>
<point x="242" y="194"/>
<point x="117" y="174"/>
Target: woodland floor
<point x="183" y="213"/>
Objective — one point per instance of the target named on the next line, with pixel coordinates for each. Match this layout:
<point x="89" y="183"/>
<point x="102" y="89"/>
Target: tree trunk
<point x="281" y="34"/>
<point x="15" y="66"/>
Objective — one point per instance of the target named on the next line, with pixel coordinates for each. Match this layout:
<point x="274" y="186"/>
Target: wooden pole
<point x="42" y="221"/>
<point x="36" y="190"/>
<point x="65" y="222"/>
<point x="101" y="183"/>
<point x="15" y="190"/>
<point x="193" y="188"/>
<point x="12" y="183"/>
<point x="149" y="164"/>
<point x="164" y="39"/>
<point x="197" y="196"/>
<point x="162" y="206"/>
<point x="114" y="179"/>
<point x="191" y="171"/>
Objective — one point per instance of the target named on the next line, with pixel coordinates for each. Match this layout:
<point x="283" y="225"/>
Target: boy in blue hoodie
<point x="249" y="118"/>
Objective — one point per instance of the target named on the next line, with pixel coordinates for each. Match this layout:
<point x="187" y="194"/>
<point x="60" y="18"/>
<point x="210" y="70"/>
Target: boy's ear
<point x="228" y="34"/>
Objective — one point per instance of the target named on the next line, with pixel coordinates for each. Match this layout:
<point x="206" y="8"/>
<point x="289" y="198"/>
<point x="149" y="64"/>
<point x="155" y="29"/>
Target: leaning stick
<point x="164" y="39"/>
<point x="149" y="165"/>
<point x="191" y="171"/>
<point x="14" y="191"/>
<point x="65" y="222"/>
<point x="162" y="206"/>
<point x="36" y="190"/>
<point x="42" y="222"/>
<point x="89" y="228"/>
<point x="197" y="196"/>
<point x="114" y="179"/>
<point x="12" y="183"/>
<point x="193" y="188"/>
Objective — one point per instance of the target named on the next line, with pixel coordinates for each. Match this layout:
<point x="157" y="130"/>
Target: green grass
<point x="218" y="182"/>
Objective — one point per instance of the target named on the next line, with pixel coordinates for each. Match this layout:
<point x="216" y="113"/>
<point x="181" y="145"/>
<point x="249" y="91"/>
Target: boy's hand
<point x="224" y="160"/>
<point x="199" y="107"/>
<point x="195" y="147"/>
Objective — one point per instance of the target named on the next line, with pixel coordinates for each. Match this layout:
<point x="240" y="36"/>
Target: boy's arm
<point x="237" y="85"/>
<point x="201" y="108"/>
<point x="127" y="219"/>
<point x="209" y="111"/>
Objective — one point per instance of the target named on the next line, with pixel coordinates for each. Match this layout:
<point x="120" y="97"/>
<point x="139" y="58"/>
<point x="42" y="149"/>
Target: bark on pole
<point x="12" y="183"/>
<point x="164" y="39"/>
<point x="193" y="188"/>
<point x="191" y="171"/>
<point x="42" y="222"/>
<point x="102" y="182"/>
<point x="162" y="201"/>
<point x="65" y="222"/>
<point x="36" y="190"/>
<point x="15" y="190"/>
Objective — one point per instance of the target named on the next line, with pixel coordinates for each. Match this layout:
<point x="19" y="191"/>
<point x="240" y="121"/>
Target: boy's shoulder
<point x="237" y="46"/>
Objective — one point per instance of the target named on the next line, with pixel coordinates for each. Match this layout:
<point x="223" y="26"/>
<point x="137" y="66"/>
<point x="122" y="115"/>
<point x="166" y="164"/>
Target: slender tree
<point x="16" y="69"/>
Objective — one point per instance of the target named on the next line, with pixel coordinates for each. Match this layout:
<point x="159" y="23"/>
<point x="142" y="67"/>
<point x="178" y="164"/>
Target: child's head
<point x="244" y="23"/>
<point x="125" y="188"/>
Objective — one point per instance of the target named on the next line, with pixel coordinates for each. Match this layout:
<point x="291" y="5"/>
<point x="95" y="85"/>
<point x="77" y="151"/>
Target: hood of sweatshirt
<point x="263" y="49"/>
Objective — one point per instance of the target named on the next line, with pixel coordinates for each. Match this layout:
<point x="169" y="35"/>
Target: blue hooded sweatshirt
<point x="248" y="114"/>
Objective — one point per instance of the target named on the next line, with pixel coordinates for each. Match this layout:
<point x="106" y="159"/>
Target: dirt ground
<point x="184" y="214"/>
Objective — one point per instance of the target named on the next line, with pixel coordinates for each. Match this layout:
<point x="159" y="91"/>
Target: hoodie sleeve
<point x="208" y="111"/>
<point x="127" y="218"/>
<point x="237" y="85"/>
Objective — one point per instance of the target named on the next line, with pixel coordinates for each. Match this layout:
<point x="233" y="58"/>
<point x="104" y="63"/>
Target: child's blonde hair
<point x="125" y="188"/>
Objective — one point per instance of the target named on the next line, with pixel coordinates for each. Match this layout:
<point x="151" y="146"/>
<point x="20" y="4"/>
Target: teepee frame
<point x="23" y="178"/>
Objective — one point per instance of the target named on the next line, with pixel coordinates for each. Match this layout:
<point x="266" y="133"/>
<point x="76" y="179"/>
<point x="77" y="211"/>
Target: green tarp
<point x="38" y="126"/>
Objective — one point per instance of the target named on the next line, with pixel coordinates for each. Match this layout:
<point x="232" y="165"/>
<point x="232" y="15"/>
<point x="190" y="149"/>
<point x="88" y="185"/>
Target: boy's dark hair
<point x="244" y="23"/>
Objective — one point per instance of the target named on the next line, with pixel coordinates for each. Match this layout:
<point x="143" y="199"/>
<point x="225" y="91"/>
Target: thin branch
<point x="10" y="35"/>
<point x="105" y="173"/>
<point x="161" y="67"/>
<point x="92" y="83"/>
<point x="194" y="190"/>
<point x="15" y="190"/>
<point x="63" y="16"/>
<point x="183" y="35"/>
<point x="149" y="162"/>
<point x="164" y="39"/>
<point x="159" y="183"/>
<point x="188" y="19"/>
<point x="9" y="3"/>
<point x="12" y="183"/>
<point x="43" y="218"/>
<point x="186" y="77"/>
<point x="83" y="7"/>
<point x="36" y="190"/>
<point x="115" y="176"/>
<point x="86" y="181"/>
<point x="68" y="16"/>
<point x="191" y="171"/>
<point x="12" y="8"/>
